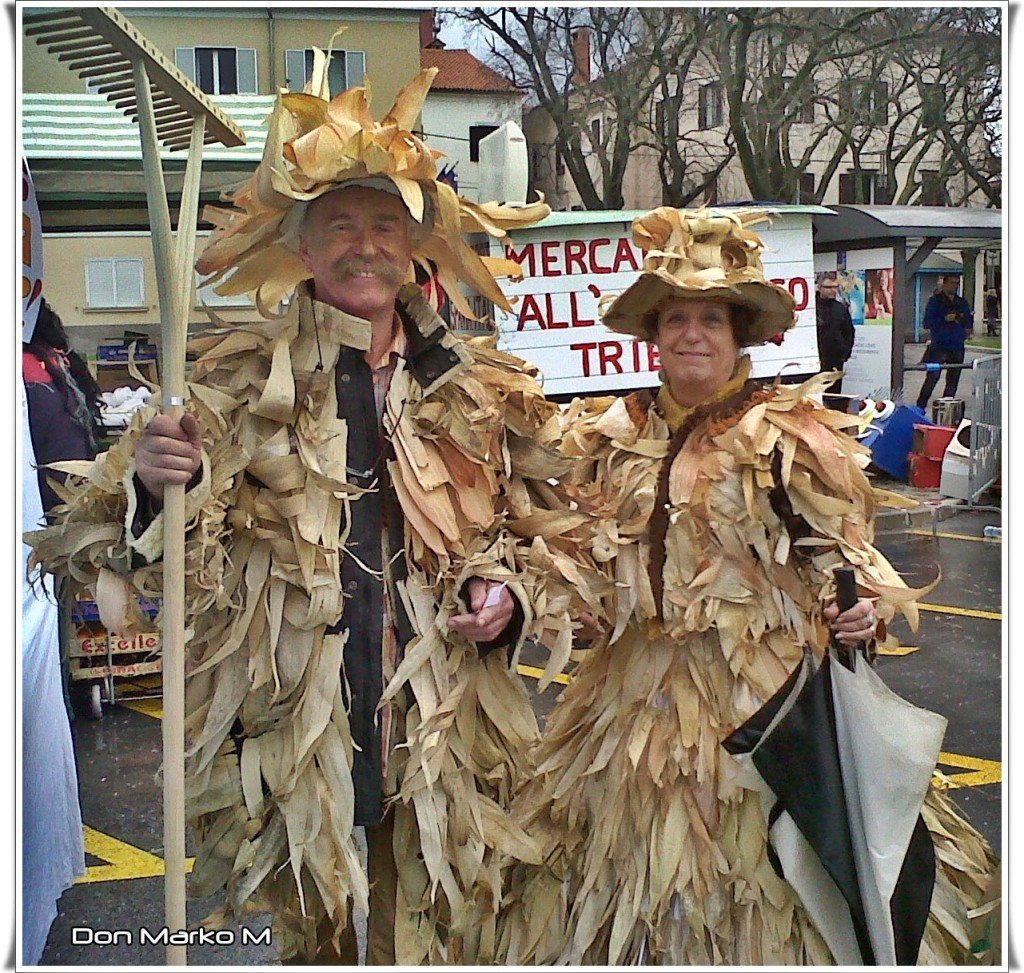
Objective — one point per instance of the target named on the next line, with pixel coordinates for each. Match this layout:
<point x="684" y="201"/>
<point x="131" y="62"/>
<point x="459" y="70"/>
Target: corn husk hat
<point x="706" y="254"/>
<point x="316" y="144"/>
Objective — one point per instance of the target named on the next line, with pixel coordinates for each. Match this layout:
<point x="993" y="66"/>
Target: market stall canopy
<point x="850" y="227"/>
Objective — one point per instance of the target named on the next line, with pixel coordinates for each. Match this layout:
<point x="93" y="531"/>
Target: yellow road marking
<point x="969" y="612"/>
<point x="958" y="537"/>
<point x="899" y="650"/>
<point x="534" y="673"/>
<point x="123" y="861"/>
<point x="980" y="771"/>
<point x="149" y="706"/>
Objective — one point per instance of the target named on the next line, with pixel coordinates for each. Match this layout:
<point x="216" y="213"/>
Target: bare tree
<point x="910" y="94"/>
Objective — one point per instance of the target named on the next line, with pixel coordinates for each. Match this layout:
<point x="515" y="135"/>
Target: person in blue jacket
<point x="949" y="321"/>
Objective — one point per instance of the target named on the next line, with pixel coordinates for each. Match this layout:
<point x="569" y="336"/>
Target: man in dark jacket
<point x="352" y="573"/>
<point x="949" y="321"/>
<point x="835" y="330"/>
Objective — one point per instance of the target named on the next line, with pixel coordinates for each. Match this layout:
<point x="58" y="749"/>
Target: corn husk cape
<point x="315" y="145"/>
<point x="720" y="529"/>
<point x="267" y="534"/>
<point x="708" y="254"/>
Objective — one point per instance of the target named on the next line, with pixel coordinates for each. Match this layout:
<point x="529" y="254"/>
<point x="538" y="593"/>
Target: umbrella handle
<point x="846" y="597"/>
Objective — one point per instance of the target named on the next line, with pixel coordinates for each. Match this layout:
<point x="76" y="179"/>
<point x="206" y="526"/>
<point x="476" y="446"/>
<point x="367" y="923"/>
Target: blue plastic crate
<point x="890" y="451"/>
<point x="87" y="611"/>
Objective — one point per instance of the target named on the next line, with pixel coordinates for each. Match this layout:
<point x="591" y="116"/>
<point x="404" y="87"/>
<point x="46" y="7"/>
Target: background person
<point x="352" y="578"/>
<point x="63" y="400"/>
<point x="992" y="312"/>
<point x="949" y="321"/>
<point x="722" y="507"/>
<point x="835" y="330"/>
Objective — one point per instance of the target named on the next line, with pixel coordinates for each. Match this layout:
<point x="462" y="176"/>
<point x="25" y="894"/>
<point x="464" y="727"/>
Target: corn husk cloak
<point x="267" y="534"/>
<point x="720" y="528"/>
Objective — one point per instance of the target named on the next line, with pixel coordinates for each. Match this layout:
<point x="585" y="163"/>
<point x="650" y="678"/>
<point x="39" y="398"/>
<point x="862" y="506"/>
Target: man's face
<point x="828" y="287"/>
<point x="356" y="244"/>
<point x="950" y="285"/>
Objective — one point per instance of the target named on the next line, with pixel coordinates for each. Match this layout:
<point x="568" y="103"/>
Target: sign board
<point x="571" y="260"/>
<point x="865" y="285"/>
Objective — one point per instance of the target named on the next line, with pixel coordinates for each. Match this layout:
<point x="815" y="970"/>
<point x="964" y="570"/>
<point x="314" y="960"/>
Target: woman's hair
<point x="71" y="376"/>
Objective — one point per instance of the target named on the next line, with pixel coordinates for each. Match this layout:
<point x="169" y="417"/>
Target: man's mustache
<point x="379" y="268"/>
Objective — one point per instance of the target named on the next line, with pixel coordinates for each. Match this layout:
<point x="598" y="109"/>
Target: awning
<point x="850" y="227"/>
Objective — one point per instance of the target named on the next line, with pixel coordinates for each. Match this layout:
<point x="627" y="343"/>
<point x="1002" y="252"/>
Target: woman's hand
<point x="484" y="622"/>
<point x="856" y="624"/>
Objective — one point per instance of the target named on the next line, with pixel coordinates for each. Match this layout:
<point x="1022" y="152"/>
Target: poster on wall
<point x="866" y="286"/>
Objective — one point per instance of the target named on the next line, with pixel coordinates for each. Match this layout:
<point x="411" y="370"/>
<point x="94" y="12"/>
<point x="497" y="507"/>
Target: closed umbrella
<point x="849" y="763"/>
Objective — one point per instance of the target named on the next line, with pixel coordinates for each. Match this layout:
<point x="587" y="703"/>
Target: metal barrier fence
<point x="986" y="416"/>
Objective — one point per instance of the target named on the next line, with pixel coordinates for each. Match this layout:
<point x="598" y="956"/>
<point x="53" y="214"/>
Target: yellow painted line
<point x="979" y="771"/>
<point x="149" y="706"/>
<point x="123" y="861"/>
<point x="969" y="612"/>
<point x="534" y="673"/>
<point x="957" y="537"/>
<point x="899" y="650"/>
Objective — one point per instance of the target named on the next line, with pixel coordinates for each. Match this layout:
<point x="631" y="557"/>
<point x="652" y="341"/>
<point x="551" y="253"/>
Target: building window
<point x="595" y="133"/>
<point x="711" y="193"/>
<point x="115" y="282"/>
<point x="206" y="296"/>
<point x="933" y="189"/>
<point x="346" y="70"/>
<point x="710" y="107"/>
<point x="476" y="133"/>
<point x="863" y="186"/>
<point x="666" y="118"/>
<point x="805" y="192"/>
<point x="806" y="111"/>
<point x="933" y="103"/>
<point x="867" y="101"/>
<point x="219" y="70"/>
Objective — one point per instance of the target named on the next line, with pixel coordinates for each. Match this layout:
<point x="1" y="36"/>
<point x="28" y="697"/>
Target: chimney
<point x="581" y="54"/>
<point x="426" y="28"/>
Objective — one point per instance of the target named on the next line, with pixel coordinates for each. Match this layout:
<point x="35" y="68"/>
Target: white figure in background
<point x="52" y="849"/>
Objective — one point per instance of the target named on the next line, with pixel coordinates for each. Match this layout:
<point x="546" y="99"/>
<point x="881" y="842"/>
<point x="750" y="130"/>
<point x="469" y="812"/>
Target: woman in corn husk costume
<point x="723" y="508"/>
<point x="273" y="780"/>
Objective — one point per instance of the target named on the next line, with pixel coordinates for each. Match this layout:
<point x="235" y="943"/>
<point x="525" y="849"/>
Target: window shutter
<point x="99" y="283"/>
<point x="355" y="68"/>
<point x="246" y="57"/>
<point x="337" y="78"/>
<point x="185" y="59"/>
<point x="128" y="287"/>
<point x="295" y="69"/>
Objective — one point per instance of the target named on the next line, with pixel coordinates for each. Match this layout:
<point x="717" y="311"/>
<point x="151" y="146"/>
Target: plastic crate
<point x="931" y="441"/>
<point x="925" y="472"/>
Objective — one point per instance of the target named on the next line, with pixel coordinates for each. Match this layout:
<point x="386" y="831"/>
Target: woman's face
<point x="697" y="347"/>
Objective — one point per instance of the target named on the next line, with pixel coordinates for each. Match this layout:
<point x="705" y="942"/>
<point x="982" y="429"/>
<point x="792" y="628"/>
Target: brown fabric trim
<point x="717" y="416"/>
<point x="796" y="526"/>
<point x="638" y="404"/>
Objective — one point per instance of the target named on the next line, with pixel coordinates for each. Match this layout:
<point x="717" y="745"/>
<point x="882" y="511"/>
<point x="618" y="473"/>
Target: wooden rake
<point x="99" y="44"/>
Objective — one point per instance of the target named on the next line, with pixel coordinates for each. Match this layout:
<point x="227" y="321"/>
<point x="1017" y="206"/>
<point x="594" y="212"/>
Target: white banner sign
<point x="570" y="261"/>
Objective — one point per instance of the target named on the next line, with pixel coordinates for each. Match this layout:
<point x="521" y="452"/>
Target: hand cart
<point x="99" y="656"/>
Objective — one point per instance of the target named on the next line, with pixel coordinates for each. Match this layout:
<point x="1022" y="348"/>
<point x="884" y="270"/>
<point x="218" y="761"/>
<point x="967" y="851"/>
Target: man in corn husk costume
<point x="722" y="507"/>
<point x="361" y="483"/>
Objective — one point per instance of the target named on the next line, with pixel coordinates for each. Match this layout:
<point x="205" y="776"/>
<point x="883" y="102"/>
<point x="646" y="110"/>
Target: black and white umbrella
<point x="849" y="763"/>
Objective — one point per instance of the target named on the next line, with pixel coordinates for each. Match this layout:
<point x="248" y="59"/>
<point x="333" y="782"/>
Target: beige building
<point x="85" y="156"/>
